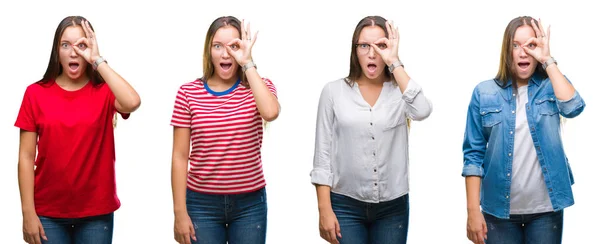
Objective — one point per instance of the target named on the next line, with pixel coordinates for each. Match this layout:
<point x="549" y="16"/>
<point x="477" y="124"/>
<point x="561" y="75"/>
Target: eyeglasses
<point x="363" y="48"/>
<point x="217" y="47"/>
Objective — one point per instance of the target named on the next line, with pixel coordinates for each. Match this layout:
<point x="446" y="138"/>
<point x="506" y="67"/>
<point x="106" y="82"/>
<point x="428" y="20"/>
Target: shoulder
<point x="487" y="87"/>
<point x="336" y="84"/>
<point x="192" y="85"/>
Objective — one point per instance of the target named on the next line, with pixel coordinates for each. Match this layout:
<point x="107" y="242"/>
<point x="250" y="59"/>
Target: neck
<point x="217" y="81"/>
<point x="364" y="80"/>
<point x="521" y="82"/>
<point x="66" y="82"/>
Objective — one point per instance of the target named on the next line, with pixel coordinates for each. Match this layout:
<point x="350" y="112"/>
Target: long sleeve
<point x="321" y="173"/>
<point x="474" y="144"/>
<point x="418" y="106"/>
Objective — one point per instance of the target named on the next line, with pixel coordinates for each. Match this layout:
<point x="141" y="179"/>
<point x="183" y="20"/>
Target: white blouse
<point x="362" y="151"/>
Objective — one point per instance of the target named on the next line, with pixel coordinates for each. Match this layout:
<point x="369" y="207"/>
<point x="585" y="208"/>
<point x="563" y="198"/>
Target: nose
<point x="522" y="52"/>
<point x="371" y="53"/>
<point x="224" y="54"/>
<point x="72" y="52"/>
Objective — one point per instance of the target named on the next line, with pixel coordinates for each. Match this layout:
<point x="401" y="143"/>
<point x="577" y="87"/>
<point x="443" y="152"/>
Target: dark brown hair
<point x="208" y="67"/>
<point x="54" y="68"/>
<point x="505" y="72"/>
<point x="355" y="69"/>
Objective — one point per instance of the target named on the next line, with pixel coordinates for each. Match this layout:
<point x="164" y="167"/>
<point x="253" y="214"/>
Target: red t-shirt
<point x="75" y="163"/>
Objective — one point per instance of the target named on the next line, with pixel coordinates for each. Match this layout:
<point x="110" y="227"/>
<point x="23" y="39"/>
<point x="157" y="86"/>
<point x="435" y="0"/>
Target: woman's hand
<point x="476" y="227"/>
<point x="329" y="227"/>
<point x="241" y="50"/>
<point x="33" y="229"/>
<point x="184" y="229"/>
<point x="538" y="47"/>
<point x="87" y="47"/>
<point x="387" y="48"/>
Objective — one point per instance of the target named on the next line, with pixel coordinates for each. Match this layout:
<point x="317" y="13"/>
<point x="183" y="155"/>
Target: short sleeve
<point x="26" y="116"/>
<point x="113" y="100"/>
<point x="271" y="87"/>
<point x="181" y="111"/>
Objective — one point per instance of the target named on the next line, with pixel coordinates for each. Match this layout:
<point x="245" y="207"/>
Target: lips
<point x="371" y="67"/>
<point x="74" y="66"/>
<point x="524" y="64"/>
<point x="225" y="65"/>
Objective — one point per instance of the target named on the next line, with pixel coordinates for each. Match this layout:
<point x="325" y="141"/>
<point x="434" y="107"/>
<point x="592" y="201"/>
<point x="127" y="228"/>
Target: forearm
<point x="401" y="78"/>
<point x="179" y="185"/>
<point x="563" y="90"/>
<point x="473" y="184"/>
<point x="126" y="96"/>
<point x="26" y="181"/>
<point x="266" y="102"/>
<point x="324" y="197"/>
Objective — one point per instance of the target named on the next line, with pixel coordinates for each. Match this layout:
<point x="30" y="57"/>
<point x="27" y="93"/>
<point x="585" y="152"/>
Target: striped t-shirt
<point x="226" y="137"/>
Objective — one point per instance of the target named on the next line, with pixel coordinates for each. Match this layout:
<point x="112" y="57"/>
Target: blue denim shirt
<point x="489" y="141"/>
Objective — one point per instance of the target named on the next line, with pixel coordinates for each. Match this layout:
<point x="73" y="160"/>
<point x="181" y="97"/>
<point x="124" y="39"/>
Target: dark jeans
<point x="234" y="219"/>
<point x="543" y="228"/>
<point x="374" y="223"/>
<point x="88" y="230"/>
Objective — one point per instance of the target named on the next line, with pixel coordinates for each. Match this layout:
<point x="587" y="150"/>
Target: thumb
<point x="485" y="230"/>
<point x="338" y="231"/>
<point x="193" y="232"/>
<point x="43" y="233"/>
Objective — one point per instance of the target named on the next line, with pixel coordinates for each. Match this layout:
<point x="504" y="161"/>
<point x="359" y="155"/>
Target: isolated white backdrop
<point x="448" y="47"/>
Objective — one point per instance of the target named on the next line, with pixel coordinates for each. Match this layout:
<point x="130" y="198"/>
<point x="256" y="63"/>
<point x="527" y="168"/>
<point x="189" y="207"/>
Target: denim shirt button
<point x="508" y="174"/>
<point x="513" y="111"/>
<point x="509" y="154"/>
<point x="506" y="197"/>
<point x="511" y="132"/>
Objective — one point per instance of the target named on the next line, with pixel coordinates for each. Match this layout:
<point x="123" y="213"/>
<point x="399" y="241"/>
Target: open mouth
<point x="226" y="66"/>
<point x="73" y="66"/>
<point x="524" y="65"/>
<point x="371" y="67"/>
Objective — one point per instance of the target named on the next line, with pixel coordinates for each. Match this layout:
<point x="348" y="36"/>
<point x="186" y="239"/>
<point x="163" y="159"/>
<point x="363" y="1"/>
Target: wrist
<point x="395" y="64"/>
<point x="548" y="62"/>
<point x="544" y="59"/>
<point x="247" y="66"/>
<point x="182" y="212"/>
<point x="29" y="212"/>
<point x="473" y="209"/>
<point x="245" y="61"/>
<point x="325" y="207"/>
<point x="97" y="61"/>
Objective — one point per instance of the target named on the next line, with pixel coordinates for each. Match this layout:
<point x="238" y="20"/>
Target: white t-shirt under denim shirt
<point x="362" y="151"/>
<point x="528" y="191"/>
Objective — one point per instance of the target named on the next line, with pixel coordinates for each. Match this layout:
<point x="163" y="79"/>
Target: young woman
<point x="361" y="149"/>
<point x="514" y="161"/>
<point x="68" y="191"/>
<point x="222" y="197"/>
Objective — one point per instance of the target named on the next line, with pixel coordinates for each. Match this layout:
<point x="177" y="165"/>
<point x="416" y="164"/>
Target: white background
<point x="448" y="47"/>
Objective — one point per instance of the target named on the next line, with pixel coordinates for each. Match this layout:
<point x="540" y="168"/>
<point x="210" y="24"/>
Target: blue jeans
<point x="525" y="228"/>
<point x="92" y="230"/>
<point x="374" y="223"/>
<point x="234" y="219"/>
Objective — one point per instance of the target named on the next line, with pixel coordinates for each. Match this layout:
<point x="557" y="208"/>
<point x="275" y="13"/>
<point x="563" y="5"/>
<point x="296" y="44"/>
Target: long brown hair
<point x="355" y="69"/>
<point x="54" y="68"/>
<point x="208" y="67"/>
<point x="505" y="72"/>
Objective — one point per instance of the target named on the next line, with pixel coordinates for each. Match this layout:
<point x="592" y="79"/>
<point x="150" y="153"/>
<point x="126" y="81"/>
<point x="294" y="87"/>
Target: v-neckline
<point x="377" y="101"/>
